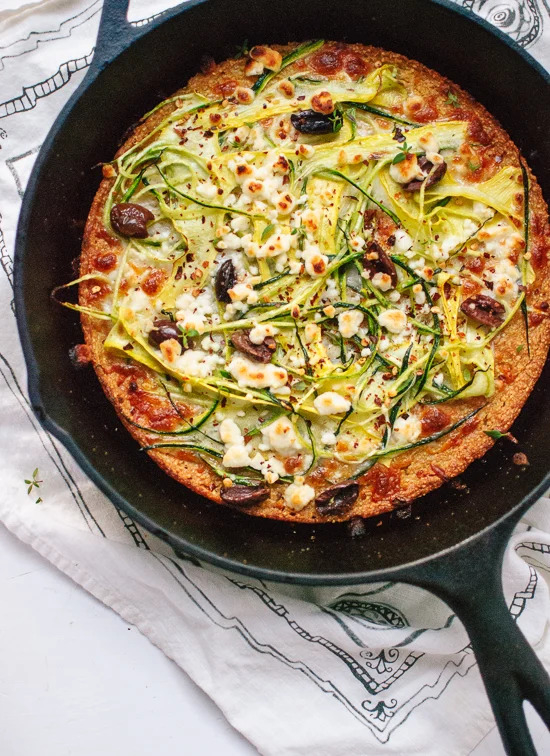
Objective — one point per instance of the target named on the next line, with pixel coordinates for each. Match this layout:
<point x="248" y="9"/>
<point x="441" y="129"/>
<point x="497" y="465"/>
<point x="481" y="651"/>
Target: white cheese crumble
<point x="230" y="433"/>
<point x="281" y="437"/>
<point x="207" y="190"/>
<point x="242" y="291"/>
<point x="349" y="322"/>
<point x="272" y="468"/>
<point x="298" y="496"/>
<point x="315" y="262"/>
<point x="259" y="333"/>
<point x="393" y="320"/>
<point x="195" y="362"/>
<point x="406" y="430"/>
<point x="331" y="403"/>
<point x="382" y="281"/>
<point x="256" y="375"/>
<point x="192" y="311"/>
<point x="403" y="242"/>
<point x="406" y="170"/>
<point x="236" y="456"/>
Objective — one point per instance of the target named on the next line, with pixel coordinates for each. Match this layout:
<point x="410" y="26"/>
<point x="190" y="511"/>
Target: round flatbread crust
<point x="410" y="474"/>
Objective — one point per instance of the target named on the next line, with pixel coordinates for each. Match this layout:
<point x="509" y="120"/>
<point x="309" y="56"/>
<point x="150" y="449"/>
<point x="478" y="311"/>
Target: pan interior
<point x="57" y="203"/>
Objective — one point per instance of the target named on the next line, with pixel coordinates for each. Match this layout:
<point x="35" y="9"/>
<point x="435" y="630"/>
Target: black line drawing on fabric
<point x="33" y="93"/>
<point x="7" y="262"/>
<point x="521" y="597"/>
<point x="381" y="710"/>
<point x="409" y="661"/>
<point x="49" y="445"/>
<point x="13" y="168"/>
<point x="145" y="21"/>
<point x="542" y="548"/>
<point x="133" y="529"/>
<point x="368" y="612"/>
<point x="383" y="661"/>
<point x="62" y="31"/>
<point x="521" y="19"/>
<point x="455" y="666"/>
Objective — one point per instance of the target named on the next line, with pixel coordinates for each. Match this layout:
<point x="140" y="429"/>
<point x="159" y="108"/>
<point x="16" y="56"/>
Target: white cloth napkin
<point x="279" y="661"/>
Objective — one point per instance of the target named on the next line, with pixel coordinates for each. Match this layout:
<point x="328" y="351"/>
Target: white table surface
<point x="75" y="680"/>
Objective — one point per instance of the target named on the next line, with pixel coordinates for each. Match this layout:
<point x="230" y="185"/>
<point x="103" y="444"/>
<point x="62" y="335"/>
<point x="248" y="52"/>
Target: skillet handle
<point x="469" y="581"/>
<point x="116" y="33"/>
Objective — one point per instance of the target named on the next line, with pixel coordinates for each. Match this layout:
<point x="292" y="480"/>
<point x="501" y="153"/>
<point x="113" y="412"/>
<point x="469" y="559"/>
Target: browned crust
<point x="425" y="468"/>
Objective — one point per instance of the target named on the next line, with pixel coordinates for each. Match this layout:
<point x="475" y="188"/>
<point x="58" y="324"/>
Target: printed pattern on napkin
<point x="327" y="670"/>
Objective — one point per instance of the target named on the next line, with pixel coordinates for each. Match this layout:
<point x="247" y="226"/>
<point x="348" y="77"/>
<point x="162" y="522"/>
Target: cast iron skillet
<point x="454" y="541"/>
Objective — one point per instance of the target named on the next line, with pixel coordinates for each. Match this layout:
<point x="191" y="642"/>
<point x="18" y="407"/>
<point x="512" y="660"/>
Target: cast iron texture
<point x="453" y="542"/>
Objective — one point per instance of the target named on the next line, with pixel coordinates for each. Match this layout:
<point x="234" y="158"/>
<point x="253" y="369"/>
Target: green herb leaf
<point x="496" y="435"/>
<point x="33" y="482"/>
<point x="399" y="158"/>
<point x="337" y="120"/>
<point x="452" y="99"/>
<point x="266" y="233"/>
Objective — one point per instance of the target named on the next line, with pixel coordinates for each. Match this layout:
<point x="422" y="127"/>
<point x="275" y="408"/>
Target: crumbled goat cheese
<point x="315" y="262"/>
<point x="393" y="320"/>
<point x="349" y="322"/>
<point x="331" y="403"/>
<point x="406" y="430"/>
<point x="298" y="496"/>
<point x="256" y="375"/>
<point x="236" y="456"/>
<point x="281" y="437"/>
<point x="230" y="433"/>
<point x="382" y="281"/>
<point x="259" y="333"/>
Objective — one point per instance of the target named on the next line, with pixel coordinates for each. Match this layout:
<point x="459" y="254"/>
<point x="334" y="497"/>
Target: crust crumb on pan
<point x="313" y="279"/>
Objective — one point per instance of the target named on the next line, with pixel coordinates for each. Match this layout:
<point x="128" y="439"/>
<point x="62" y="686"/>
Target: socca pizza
<point x="314" y="283"/>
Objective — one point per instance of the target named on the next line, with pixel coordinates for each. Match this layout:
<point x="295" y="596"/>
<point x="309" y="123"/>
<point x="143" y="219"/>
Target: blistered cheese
<point x="393" y="320"/>
<point x="256" y="375"/>
<point x="382" y="281"/>
<point x="281" y="437"/>
<point x="349" y="322"/>
<point x="315" y="261"/>
<point x="331" y="403"/>
<point x="298" y="496"/>
<point x="406" y="430"/>
<point x="171" y="349"/>
<point x="406" y="170"/>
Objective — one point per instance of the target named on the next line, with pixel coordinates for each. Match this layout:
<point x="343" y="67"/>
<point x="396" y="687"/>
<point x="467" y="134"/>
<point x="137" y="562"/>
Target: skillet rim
<point x="33" y="382"/>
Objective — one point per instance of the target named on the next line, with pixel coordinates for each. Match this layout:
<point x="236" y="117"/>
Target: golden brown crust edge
<point x="412" y="474"/>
